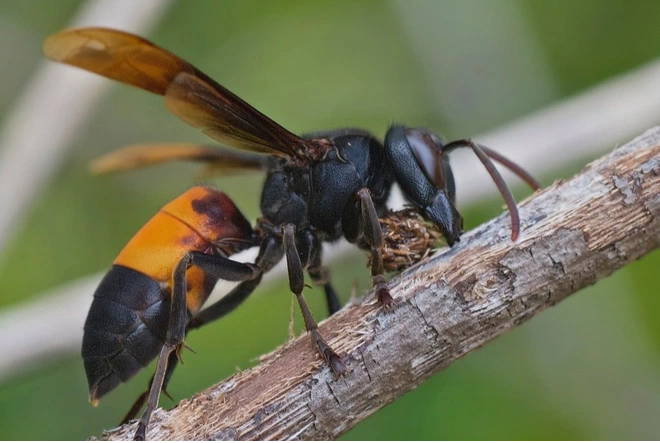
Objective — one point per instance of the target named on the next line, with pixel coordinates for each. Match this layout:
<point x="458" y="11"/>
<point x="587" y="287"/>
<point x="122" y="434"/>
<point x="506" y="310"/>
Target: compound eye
<point x="427" y="150"/>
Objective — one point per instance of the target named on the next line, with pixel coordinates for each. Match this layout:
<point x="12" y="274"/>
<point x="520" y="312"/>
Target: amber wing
<point x="220" y="160"/>
<point x="190" y="94"/>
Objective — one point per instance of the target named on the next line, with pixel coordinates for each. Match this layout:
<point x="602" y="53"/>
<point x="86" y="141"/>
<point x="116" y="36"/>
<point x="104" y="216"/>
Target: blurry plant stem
<point x="574" y="233"/>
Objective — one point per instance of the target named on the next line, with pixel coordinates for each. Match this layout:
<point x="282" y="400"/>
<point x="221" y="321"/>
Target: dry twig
<point x="574" y="233"/>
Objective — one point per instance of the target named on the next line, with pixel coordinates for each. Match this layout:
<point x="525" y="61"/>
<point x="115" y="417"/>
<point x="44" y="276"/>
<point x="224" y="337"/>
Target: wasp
<point x="318" y="188"/>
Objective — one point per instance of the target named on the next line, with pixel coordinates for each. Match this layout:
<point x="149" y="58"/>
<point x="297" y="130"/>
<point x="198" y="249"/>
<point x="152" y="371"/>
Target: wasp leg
<point x="374" y="236"/>
<point x="139" y="402"/>
<point x="270" y="254"/>
<point x="296" y="283"/>
<point x="219" y="267"/>
<point x="217" y="310"/>
<point x="321" y="275"/>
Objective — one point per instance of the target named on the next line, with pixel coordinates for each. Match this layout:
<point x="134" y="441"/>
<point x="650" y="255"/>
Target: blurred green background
<point x="586" y="369"/>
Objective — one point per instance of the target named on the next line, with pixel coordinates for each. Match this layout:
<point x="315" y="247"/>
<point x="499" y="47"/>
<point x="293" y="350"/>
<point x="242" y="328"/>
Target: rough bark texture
<point x="573" y="233"/>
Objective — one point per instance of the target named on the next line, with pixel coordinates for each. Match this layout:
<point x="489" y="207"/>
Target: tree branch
<point x="574" y="233"/>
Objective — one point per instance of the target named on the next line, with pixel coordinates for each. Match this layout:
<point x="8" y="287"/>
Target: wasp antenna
<point x="497" y="178"/>
<point x="513" y="167"/>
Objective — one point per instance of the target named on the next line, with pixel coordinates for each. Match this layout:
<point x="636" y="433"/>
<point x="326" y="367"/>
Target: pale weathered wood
<point x="574" y="233"/>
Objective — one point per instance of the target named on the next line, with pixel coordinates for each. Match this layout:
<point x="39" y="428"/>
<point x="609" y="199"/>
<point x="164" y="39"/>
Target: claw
<point x="331" y="357"/>
<point x="336" y="363"/>
<point x="384" y="297"/>
<point x="140" y="434"/>
<point x="383" y="292"/>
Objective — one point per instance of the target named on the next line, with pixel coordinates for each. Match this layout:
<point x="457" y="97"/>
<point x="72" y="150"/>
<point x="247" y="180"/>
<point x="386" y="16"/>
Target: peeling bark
<point x="573" y="233"/>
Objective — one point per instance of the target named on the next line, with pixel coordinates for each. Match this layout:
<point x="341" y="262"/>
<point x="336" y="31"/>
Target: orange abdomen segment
<point x="212" y="214"/>
<point x="158" y="247"/>
<point x="201" y="219"/>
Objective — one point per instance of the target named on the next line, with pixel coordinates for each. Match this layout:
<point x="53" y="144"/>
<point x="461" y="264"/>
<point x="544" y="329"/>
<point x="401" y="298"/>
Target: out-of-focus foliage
<point x="587" y="369"/>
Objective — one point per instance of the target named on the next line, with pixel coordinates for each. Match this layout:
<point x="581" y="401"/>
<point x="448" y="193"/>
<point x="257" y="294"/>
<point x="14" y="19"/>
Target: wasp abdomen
<point x="127" y="323"/>
<point x="123" y="333"/>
